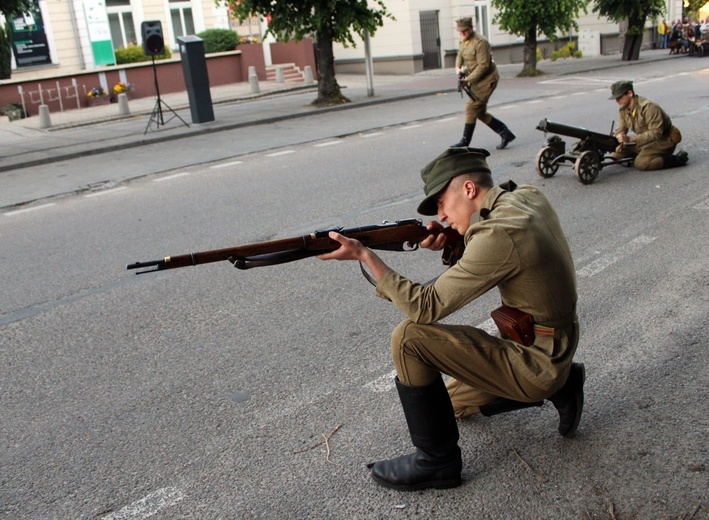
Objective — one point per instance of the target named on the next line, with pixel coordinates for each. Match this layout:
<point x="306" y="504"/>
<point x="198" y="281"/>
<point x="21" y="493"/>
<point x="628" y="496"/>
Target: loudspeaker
<point x="153" y="42"/>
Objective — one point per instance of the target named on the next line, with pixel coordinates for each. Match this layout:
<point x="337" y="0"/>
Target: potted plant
<point x="96" y="96"/>
<point x="121" y="87"/>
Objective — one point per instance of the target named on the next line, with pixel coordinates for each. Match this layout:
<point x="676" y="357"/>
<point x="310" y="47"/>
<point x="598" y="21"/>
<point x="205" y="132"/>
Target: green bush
<point x="566" y="51"/>
<point x="135" y="54"/>
<point x="219" y="40"/>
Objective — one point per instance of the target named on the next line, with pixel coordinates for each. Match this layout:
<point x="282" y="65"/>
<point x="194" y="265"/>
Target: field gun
<point x="589" y="155"/>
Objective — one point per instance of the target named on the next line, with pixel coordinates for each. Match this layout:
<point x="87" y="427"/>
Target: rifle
<point x="402" y="235"/>
<point x="461" y="87"/>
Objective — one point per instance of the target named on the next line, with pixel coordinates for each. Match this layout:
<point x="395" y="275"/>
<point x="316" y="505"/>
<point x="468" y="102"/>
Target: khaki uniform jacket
<point x="647" y="120"/>
<point x="515" y="243"/>
<point x="475" y="53"/>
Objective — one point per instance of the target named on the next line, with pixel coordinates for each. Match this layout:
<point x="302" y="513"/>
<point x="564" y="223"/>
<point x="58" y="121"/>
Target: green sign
<point x="99" y="32"/>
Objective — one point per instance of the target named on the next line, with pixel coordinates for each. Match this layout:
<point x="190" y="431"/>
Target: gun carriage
<point x="589" y="155"/>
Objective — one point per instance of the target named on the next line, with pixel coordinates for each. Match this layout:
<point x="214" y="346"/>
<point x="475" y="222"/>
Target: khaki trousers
<point x="484" y="367"/>
<point x="650" y="156"/>
<point x="477" y="109"/>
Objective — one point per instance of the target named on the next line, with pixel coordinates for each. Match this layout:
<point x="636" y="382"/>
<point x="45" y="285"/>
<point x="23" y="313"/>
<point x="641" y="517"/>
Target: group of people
<point x="682" y="34"/>
<point x="512" y="240"/>
<point x="645" y="131"/>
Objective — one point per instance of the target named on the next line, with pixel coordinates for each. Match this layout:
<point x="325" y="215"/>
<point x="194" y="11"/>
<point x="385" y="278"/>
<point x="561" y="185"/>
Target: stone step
<point x="291" y="73"/>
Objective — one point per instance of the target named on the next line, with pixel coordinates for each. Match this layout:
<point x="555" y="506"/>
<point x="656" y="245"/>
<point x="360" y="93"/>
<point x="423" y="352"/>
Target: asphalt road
<point x="213" y="393"/>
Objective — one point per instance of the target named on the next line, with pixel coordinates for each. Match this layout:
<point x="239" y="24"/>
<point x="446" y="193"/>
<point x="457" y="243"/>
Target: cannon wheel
<point x="587" y="166"/>
<point x="546" y="167"/>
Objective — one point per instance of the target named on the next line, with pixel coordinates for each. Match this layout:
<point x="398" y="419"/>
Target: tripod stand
<point x="157" y="115"/>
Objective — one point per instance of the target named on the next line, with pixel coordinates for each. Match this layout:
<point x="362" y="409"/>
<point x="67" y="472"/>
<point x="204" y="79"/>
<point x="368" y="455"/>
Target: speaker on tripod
<point x="154" y="45"/>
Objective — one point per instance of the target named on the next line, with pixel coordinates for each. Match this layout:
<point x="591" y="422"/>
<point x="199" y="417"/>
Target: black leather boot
<point x="501" y="129"/>
<point x="467" y="136"/>
<point x="672" y="161"/>
<point x="437" y="462"/>
<point x="502" y="405"/>
<point x="569" y="400"/>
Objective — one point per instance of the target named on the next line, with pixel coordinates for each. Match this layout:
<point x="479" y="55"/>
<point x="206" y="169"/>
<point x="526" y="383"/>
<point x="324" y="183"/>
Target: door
<point x="430" y="40"/>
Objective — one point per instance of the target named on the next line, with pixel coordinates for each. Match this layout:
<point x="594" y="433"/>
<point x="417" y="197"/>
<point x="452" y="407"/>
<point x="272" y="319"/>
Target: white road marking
<point x="409" y="127"/>
<point x="25" y="210"/>
<point x="106" y="192"/>
<point x="382" y="384"/>
<point x="329" y="143"/>
<point x="226" y="164"/>
<point x="534" y="102"/>
<point x="148" y="506"/>
<point x="601" y="263"/>
<point x="373" y="134"/>
<point x="702" y="205"/>
<point x="446" y="119"/>
<point x="505" y="107"/>
<point x="173" y="176"/>
<point x="276" y="154"/>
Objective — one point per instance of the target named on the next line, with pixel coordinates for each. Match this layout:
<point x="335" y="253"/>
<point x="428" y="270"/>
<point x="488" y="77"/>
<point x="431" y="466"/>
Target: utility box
<point x="194" y="69"/>
<point x="590" y="43"/>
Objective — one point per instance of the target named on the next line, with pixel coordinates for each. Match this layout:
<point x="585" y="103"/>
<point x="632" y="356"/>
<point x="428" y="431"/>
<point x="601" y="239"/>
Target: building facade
<point x="73" y="36"/>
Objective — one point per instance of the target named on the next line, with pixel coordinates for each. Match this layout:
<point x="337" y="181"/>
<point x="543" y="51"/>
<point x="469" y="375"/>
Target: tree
<point x="692" y="7"/>
<point x="529" y="18"/>
<point x="5" y="52"/>
<point x="12" y="7"/>
<point x="328" y="21"/>
<point x="637" y="12"/>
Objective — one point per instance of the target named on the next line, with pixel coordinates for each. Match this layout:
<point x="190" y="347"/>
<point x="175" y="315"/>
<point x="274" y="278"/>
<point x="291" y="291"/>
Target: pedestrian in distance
<point x="653" y="139"/>
<point x="482" y="77"/>
<point x="513" y="241"/>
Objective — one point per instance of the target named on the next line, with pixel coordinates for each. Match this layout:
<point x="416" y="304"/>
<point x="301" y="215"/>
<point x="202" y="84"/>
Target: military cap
<point x="437" y="174"/>
<point x="464" y="23"/>
<point x="620" y="88"/>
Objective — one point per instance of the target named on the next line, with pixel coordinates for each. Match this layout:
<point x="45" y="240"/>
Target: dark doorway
<point x="430" y="40"/>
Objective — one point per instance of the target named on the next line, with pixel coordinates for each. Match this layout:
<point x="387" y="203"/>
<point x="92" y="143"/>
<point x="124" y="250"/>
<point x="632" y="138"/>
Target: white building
<point x="72" y="36"/>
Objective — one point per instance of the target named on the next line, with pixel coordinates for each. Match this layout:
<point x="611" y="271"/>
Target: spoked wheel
<point x="587" y="167"/>
<point x="546" y="167"/>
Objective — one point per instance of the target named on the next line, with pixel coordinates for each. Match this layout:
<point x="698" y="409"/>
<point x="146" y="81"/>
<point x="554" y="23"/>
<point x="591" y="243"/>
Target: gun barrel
<point x="603" y="141"/>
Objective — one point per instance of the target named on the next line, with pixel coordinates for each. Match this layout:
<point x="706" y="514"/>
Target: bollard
<point x="44" y="119"/>
<point x="280" y="78"/>
<point x="308" y="73"/>
<point x="253" y="81"/>
<point x="123" y="109"/>
<point x="252" y="70"/>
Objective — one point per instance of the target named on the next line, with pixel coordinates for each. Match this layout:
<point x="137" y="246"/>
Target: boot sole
<point x="435" y="484"/>
<point x="579" y="405"/>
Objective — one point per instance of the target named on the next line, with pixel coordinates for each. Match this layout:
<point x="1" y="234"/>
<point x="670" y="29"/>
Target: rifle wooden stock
<point x="392" y="236"/>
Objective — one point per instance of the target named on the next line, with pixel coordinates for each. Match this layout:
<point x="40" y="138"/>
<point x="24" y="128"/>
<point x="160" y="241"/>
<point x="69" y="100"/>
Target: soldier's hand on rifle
<point x="351" y="249"/>
<point x="434" y="242"/>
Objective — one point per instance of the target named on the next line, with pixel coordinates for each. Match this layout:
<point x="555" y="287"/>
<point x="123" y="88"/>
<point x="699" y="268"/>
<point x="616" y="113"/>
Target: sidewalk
<point x="86" y="131"/>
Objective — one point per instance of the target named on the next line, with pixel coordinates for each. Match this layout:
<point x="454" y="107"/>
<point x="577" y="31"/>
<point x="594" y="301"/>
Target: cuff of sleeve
<point x="384" y="283"/>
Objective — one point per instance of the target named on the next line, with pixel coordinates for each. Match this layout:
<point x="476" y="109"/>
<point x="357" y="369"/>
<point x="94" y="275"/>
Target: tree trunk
<point x="530" y="49"/>
<point x="633" y="37"/>
<point x="5" y="52"/>
<point x="328" y="89"/>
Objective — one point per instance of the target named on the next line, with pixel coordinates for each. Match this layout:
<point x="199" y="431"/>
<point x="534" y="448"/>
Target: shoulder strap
<point x="508" y="186"/>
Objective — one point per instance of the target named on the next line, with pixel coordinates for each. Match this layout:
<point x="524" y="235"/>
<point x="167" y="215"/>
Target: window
<point x="482" y="22"/>
<point x="181" y="18"/>
<point x="120" y="20"/>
